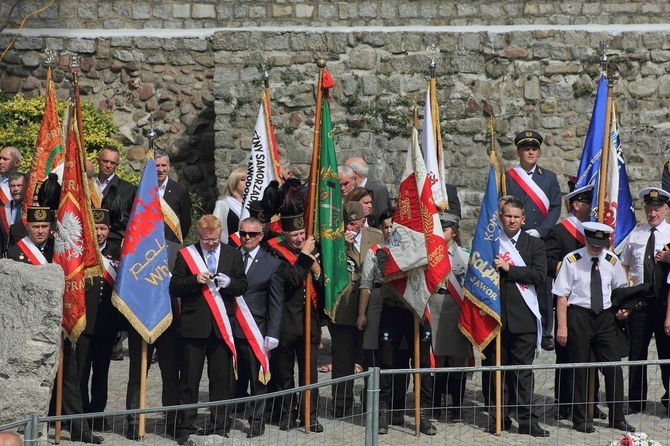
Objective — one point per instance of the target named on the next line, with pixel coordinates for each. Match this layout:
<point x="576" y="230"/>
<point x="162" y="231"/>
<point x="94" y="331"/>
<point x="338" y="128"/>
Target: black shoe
<point x="533" y="430"/>
<point x="383" y="418"/>
<point x="287" y="423"/>
<point x="564" y="413"/>
<point x="118" y="356"/>
<point x="398" y="418"/>
<point x="182" y="437"/>
<point x="491" y="429"/>
<point x="547" y="343"/>
<point x="132" y="432"/>
<point x="87" y="437"/>
<point x="587" y="428"/>
<point x="425" y="426"/>
<point x="622" y="426"/>
<point x="598" y="414"/>
<point x="455" y="415"/>
<point x="315" y="427"/>
<point x="256" y="429"/>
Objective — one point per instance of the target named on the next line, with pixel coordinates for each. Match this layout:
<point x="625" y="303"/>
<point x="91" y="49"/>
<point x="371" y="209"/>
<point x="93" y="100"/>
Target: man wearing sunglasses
<point x="258" y="325"/>
<point x="540" y="194"/>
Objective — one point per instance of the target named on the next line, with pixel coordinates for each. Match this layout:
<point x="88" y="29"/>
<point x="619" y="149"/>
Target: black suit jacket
<point x="381" y="200"/>
<point x="558" y="244"/>
<point x="265" y="295"/>
<point x="102" y="318"/>
<point x="176" y="196"/>
<point x="516" y="316"/>
<point x="15" y="253"/>
<point x="126" y="193"/>
<point x="197" y="320"/>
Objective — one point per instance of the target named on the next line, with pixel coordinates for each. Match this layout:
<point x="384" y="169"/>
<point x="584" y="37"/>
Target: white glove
<point x="533" y="232"/>
<point x="221" y="281"/>
<point x="270" y="343"/>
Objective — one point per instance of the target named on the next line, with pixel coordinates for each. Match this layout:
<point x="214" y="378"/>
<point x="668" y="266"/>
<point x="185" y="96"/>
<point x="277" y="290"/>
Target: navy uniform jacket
<point x="515" y="314"/>
<point x="548" y="182"/>
<point x="197" y="320"/>
<point x="558" y="244"/>
<point x="15" y="253"/>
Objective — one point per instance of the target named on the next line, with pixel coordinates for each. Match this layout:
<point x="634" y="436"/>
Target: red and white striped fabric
<point x="418" y="260"/>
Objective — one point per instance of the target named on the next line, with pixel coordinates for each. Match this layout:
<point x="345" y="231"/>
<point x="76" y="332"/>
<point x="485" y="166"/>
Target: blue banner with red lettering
<point x="479" y="320"/>
<point x="141" y="289"/>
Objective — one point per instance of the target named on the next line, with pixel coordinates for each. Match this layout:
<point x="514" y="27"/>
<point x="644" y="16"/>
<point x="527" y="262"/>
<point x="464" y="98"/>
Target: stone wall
<point x="205" y="91"/>
<point x="107" y="14"/>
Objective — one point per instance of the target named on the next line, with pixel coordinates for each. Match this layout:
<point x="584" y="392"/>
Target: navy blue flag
<point x="618" y="209"/>
<point x="141" y="289"/>
<point x="480" y="313"/>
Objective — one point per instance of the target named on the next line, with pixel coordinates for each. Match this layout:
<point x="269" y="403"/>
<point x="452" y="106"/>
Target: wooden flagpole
<point x="417" y="379"/>
<point x="309" y="226"/>
<point x="143" y="390"/>
<point x="59" y="392"/>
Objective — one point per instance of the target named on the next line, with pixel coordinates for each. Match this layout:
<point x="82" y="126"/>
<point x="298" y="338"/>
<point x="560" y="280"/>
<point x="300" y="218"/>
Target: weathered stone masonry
<point x="205" y="91"/>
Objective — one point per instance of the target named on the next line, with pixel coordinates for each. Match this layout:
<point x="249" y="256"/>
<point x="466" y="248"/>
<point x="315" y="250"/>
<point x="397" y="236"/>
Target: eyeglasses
<point x="209" y="240"/>
<point x="250" y="234"/>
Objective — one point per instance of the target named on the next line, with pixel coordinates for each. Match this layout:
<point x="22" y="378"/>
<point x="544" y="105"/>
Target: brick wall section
<point x="185" y="14"/>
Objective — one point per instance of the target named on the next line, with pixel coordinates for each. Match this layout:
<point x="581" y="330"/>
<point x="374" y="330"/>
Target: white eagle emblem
<point x="69" y="236"/>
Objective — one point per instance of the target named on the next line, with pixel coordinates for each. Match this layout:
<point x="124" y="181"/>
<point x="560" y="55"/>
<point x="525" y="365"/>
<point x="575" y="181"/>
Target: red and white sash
<point x="511" y="256"/>
<point x="31" y="251"/>
<point x="109" y="272"/>
<point x="575" y="228"/>
<point x="455" y="289"/>
<point x="531" y="188"/>
<point x="196" y="265"/>
<point x="6" y="216"/>
<point x="254" y="337"/>
<point x="5" y="193"/>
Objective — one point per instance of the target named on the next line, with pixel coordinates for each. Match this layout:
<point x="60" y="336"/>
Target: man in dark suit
<point x="175" y="197"/>
<point x="205" y="273"/>
<point x="381" y="200"/>
<point x="94" y="347"/>
<point x="522" y="266"/>
<point x="265" y="300"/>
<point x="540" y="193"/>
<point x="108" y="185"/>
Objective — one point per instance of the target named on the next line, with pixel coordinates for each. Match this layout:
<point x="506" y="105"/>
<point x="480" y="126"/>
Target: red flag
<point x="48" y="149"/>
<point x="418" y="260"/>
<point x="76" y="247"/>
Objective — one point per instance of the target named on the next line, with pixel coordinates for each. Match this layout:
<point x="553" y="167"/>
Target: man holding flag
<point x="522" y="266"/>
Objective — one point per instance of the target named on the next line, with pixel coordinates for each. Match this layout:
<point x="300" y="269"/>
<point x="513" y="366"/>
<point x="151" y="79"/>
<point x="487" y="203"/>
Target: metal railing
<point x="361" y="425"/>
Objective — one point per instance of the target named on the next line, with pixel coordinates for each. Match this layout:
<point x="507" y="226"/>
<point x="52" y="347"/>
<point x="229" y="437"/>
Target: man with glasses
<point x="207" y="276"/>
<point x="257" y="326"/>
<point x="540" y="194"/>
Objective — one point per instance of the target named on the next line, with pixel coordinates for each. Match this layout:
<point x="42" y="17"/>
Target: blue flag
<point x="480" y="313"/>
<point x="618" y="202"/>
<point x="141" y="288"/>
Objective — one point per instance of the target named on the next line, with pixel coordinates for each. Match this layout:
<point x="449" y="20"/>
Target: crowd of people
<point x="239" y="297"/>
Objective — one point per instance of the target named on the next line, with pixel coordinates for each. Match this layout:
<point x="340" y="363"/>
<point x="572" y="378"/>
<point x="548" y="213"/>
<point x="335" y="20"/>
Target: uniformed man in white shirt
<point x="646" y="258"/>
<point x="586" y="322"/>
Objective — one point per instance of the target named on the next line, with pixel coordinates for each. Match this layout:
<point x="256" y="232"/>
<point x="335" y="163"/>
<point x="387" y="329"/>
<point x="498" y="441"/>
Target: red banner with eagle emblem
<point x="76" y="247"/>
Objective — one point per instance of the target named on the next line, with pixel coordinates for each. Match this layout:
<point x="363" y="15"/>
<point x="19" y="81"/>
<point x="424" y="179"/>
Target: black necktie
<point x="649" y="258"/>
<point x="513" y="241"/>
<point x="596" y="288"/>
<point x="246" y="261"/>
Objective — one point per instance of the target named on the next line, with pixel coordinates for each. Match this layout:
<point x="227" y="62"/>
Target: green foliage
<point x="20" y="120"/>
<point x="197" y="211"/>
<point x="579" y="89"/>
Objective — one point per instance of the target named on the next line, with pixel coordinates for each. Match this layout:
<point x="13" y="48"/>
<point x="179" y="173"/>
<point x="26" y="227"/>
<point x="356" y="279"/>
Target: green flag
<point x="329" y="221"/>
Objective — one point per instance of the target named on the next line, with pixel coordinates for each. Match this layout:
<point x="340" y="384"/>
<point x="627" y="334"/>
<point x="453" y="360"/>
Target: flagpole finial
<point x="604" y="46"/>
<point x="265" y="68"/>
<point x="321" y="50"/>
<point x="151" y="134"/>
<point x="49" y="58"/>
<point x="432" y="51"/>
<point x="74" y="63"/>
